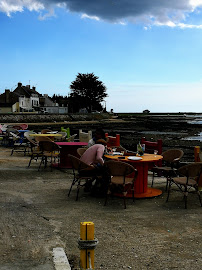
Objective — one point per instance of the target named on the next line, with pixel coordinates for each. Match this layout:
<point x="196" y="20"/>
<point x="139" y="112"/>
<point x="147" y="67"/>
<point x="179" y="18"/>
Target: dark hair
<point x="101" y="132"/>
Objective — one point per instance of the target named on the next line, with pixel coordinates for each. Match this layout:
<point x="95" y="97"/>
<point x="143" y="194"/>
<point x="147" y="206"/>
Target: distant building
<point x="26" y="99"/>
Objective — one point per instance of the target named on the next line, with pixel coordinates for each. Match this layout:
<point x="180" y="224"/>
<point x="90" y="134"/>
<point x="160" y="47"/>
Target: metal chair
<point x="121" y="181"/>
<point x="171" y="159"/>
<point x="188" y="178"/>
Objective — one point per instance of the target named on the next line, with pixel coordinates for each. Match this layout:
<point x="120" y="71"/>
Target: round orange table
<point x="141" y="188"/>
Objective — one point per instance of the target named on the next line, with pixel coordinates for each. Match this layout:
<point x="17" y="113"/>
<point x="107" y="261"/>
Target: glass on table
<point x="155" y="152"/>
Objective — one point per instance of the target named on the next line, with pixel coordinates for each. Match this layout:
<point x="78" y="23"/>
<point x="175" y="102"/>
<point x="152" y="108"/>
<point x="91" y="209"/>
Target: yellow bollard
<point x="87" y="243"/>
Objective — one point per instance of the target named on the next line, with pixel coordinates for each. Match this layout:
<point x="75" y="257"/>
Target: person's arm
<point x="100" y="152"/>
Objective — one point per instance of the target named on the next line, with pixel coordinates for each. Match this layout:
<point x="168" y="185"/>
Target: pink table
<point x="68" y="148"/>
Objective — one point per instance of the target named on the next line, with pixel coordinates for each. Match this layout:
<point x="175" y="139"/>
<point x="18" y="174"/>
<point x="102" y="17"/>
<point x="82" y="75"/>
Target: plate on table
<point x="134" y="158"/>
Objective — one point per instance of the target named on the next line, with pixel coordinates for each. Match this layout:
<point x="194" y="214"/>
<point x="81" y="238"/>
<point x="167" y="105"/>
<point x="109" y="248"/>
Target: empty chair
<point x="85" y="136"/>
<point x="81" y="150"/>
<point x="83" y="173"/>
<point x="113" y="141"/>
<point x="188" y="178"/>
<point x="121" y="179"/>
<point x="34" y="151"/>
<point x="50" y="150"/>
<point x="19" y="144"/>
<point x="171" y="159"/>
<point x="150" y="146"/>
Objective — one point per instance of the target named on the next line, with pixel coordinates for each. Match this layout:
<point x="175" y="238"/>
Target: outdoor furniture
<point x="62" y="138"/>
<point x="34" y="151"/>
<point x="85" y="136"/>
<point x="80" y="151"/>
<point x="171" y="159"/>
<point x="45" y="131"/>
<point x="19" y="145"/>
<point x="68" y="148"/>
<point x="142" y="164"/>
<point x="81" y="172"/>
<point x="121" y="180"/>
<point x="50" y="136"/>
<point x="150" y="146"/>
<point x="50" y="150"/>
<point x="113" y="141"/>
<point x="187" y="180"/>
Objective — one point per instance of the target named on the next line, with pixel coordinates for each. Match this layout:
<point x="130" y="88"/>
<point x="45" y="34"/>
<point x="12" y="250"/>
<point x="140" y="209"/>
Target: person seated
<point x="98" y="138"/>
<point x="93" y="156"/>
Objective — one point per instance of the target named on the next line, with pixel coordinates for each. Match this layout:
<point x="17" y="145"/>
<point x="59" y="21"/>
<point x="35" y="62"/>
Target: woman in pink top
<point x="94" y="155"/>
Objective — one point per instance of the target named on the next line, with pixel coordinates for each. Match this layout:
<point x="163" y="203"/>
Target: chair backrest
<point x="113" y="140"/>
<point x="118" y="168"/>
<point x="44" y="131"/>
<point x="77" y="164"/>
<point x="42" y="139"/>
<point x="48" y="146"/>
<point x="172" y="155"/>
<point x="85" y="136"/>
<point x="80" y="151"/>
<point x="67" y="130"/>
<point x="32" y="142"/>
<point x="151" y="146"/>
<point x="191" y="170"/>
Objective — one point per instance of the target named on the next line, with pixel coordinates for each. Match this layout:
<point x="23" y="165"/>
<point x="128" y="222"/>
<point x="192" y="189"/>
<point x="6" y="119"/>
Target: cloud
<point x="170" y="13"/>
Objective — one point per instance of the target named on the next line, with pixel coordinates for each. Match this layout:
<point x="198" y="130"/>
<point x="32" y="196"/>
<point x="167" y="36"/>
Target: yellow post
<point x="86" y="233"/>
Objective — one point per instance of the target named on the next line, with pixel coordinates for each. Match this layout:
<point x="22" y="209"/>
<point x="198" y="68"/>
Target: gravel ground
<point x="37" y="215"/>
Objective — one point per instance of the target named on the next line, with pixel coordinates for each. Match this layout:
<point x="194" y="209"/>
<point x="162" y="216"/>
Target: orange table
<point x="141" y="183"/>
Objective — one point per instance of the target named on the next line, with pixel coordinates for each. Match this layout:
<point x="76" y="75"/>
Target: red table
<point x="68" y="148"/>
<point x="141" y="183"/>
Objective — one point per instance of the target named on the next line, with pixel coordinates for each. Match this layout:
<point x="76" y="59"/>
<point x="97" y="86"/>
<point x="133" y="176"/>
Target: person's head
<point x="99" y="134"/>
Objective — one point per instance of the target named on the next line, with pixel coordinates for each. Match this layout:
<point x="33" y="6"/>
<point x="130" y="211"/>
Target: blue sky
<point x="147" y="53"/>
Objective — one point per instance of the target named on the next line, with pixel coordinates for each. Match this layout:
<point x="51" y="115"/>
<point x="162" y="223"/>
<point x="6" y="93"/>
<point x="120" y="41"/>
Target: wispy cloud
<point x="170" y="13"/>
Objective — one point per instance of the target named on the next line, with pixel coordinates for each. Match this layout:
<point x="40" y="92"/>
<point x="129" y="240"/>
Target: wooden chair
<point x="151" y="146"/>
<point x="188" y="178"/>
<point x="120" y="178"/>
<point x="113" y="141"/>
<point x="171" y="159"/>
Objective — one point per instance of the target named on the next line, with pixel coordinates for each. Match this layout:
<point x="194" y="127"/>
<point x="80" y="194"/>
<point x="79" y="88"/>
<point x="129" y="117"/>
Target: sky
<point x="147" y="53"/>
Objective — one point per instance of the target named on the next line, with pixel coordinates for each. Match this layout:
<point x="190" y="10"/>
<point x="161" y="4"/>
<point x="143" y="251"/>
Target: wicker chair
<point x="82" y="172"/>
<point x="171" y="159"/>
<point x="120" y="179"/>
<point x="187" y="179"/>
<point x="81" y="150"/>
<point x="49" y="150"/>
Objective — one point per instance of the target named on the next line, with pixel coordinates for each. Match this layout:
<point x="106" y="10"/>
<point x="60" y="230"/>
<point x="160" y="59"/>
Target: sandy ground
<point x="37" y="215"/>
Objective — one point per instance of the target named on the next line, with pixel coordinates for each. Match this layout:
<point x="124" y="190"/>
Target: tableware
<point x="117" y="153"/>
<point x="155" y="152"/>
<point x="134" y="158"/>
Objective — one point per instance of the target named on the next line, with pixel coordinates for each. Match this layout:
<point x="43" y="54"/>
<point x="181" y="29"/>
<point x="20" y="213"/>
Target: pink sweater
<point x="93" y="154"/>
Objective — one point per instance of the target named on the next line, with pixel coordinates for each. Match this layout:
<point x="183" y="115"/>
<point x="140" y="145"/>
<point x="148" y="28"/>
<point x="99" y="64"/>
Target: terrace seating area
<point x="56" y="149"/>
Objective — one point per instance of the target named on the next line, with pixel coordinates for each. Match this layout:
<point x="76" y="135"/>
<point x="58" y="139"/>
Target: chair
<point x="121" y="181"/>
<point x="19" y="144"/>
<point x="151" y="146"/>
<point x="34" y="150"/>
<point x="81" y="171"/>
<point x="171" y="159"/>
<point x="71" y="138"/>
<point x="113" y="141"/>
<point x="44" y="131"/>
<point x="62" y="138"/>
<point x="85" y="136"/>
<point x="189" y="176"/>
<point x="81" y="150"/>
<point x="67" y="130"/>
<point x="50" y="150"/>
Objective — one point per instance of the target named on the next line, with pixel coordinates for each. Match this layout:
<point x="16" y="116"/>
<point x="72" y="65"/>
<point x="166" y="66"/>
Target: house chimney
<point x="33" y="88"/>
<point x="19" y="84"/>
<point x="7" y="95"/>
<point x="28" y="86"/>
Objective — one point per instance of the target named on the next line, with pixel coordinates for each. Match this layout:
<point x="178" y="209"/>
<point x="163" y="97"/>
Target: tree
<point x="87" y="91"/>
